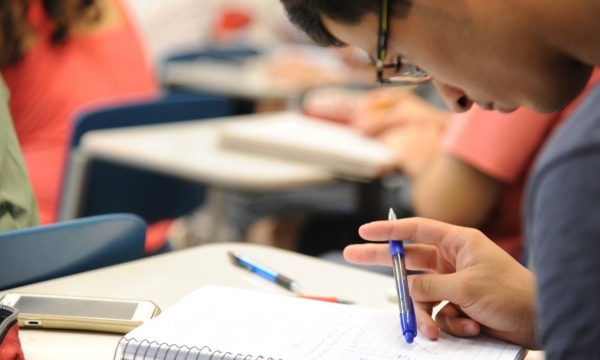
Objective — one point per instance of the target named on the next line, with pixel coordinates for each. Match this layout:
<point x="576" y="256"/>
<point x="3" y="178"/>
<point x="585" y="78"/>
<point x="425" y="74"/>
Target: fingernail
<point x="469" y="329"/>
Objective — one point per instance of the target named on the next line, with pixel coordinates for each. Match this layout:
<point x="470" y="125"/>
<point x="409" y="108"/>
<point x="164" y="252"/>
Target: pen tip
<point x="295" y="288"/>
<point x="391" y="215"/>
<point x="233" y="257"/>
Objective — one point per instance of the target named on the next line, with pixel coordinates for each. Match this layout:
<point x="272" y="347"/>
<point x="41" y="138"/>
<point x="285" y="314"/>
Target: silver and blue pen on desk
<point x="264" y="272"/>
<point x="274" y="276"/>
<point x="408" y="321"/>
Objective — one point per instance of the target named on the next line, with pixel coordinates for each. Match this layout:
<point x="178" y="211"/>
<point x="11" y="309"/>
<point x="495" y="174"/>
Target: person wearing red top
<point x="73" y="54"/>
<point x="503" y="147"/>
<point x="466" y="169"/>
<point x="475" y="175"/>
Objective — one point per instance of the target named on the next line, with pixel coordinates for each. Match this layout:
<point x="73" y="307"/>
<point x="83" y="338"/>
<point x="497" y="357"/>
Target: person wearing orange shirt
<point x="466" y="169"/>
<point x="473" y="173"/>
<point x="66" y="55"/>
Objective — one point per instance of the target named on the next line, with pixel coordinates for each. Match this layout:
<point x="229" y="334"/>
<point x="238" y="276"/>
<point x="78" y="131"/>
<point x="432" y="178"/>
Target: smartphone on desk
<point x="80" y="313"/>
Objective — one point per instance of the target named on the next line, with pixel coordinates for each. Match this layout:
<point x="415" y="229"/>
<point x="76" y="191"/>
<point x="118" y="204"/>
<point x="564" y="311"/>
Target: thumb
<point x="432" y="289"/>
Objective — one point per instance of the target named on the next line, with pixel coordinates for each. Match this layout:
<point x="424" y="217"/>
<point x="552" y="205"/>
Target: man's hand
<point x="415" y="146"/>
<point x="488" y="291"/>
<point x="386" y="108"/>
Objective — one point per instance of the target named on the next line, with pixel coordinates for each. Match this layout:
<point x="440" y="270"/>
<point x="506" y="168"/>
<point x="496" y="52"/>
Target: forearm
<point x="448" y="190"/>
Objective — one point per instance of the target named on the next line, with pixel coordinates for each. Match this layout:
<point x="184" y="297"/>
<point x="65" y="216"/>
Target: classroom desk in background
<point x="165" y="279"/>
<point x="246" y="80"/>
<point x="280" y="74"/>
<point x="188" y="150"/>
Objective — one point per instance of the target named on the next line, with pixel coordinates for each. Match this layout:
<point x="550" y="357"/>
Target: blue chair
<point x="110" y="188"/>
<point x="171" y="107"/>
<point x="216" y="54"/>
<point x="46" y="252"/>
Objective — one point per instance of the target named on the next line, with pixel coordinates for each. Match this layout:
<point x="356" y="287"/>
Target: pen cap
<point x="396" y="247"/>
<point x="409" y="326"/>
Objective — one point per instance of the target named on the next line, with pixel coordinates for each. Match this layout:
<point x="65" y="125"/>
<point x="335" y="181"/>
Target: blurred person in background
<point x="285" y="58"/>
<point x="18" y="208"/>
<point x="180" y="26"/>
<point x="465" y="169"/>
<point x="65" y="55"/>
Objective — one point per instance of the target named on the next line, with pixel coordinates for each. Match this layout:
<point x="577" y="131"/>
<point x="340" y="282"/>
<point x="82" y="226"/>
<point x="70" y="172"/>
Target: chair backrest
<point x="170" y="108"/>
<point x="232" y="55"/>
<point x="111" y="188"/>
<point x="46" y="252"/>
<point x="215" y="54"/>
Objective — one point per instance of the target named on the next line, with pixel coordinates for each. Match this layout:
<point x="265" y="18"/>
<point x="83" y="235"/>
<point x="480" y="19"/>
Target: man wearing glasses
<point x="501" y="55"/>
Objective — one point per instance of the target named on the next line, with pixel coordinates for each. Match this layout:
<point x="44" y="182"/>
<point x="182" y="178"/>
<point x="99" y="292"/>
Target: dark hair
<point x="12" y="30"/>
<point x="65" y="12"/>
<point x="62" y="13"/>
<point x="306" y="15"/>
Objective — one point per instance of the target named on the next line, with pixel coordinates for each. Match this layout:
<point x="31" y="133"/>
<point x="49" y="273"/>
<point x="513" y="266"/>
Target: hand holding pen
<point x="274" y="276"/>
<point x="408" y="320"/>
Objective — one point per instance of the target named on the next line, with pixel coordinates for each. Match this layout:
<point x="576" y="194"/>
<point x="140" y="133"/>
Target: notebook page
<point x="282" y="327"/>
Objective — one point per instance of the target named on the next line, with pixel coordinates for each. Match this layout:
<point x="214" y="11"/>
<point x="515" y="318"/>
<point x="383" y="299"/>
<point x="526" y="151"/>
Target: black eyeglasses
<point x="402" y="72"/>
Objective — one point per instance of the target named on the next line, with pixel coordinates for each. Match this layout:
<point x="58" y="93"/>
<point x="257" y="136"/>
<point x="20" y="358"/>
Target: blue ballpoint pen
<point x="408" y="320"/>
<point x="263" y="271"/>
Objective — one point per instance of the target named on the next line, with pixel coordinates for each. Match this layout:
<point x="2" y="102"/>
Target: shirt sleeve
<point x="499" y="145"/>
<point x="564" y="232"/>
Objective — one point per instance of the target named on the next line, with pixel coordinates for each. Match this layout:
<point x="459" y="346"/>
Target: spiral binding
<point x="133" y="349"/>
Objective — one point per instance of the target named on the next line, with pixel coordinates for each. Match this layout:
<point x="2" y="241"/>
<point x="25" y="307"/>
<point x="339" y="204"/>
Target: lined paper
<point x="235" y="321"/>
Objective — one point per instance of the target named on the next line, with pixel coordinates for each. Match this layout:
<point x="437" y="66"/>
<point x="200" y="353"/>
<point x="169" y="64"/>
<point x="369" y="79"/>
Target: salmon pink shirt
<point x="504" y="146"/>
<point x="52" y="82"/>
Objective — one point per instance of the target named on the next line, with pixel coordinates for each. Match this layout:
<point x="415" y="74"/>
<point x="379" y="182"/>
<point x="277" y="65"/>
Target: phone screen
<point x="76" y="307"/>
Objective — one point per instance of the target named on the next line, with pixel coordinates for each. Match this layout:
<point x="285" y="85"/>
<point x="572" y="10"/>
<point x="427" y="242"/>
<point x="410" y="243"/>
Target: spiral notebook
<point x="220" y="323"/>
<point x="338" y="148"/>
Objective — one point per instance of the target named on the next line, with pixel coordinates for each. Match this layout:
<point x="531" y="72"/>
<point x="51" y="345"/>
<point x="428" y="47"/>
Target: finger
<point x="427" y="326"/>
<point x="436" y="287"/>
<point x="419" y="230"/>
<point x="418" y="257"/>
<point x="451" y="321"/>
<point x="368" y="254"/>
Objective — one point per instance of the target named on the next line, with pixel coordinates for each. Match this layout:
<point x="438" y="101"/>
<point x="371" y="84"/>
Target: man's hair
<point x="62" y="14"/>
<point x="306" y="15"/>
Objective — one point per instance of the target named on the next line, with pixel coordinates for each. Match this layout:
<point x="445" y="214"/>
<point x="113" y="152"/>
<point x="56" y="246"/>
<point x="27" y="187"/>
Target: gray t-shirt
<point x="563" y="231"/>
